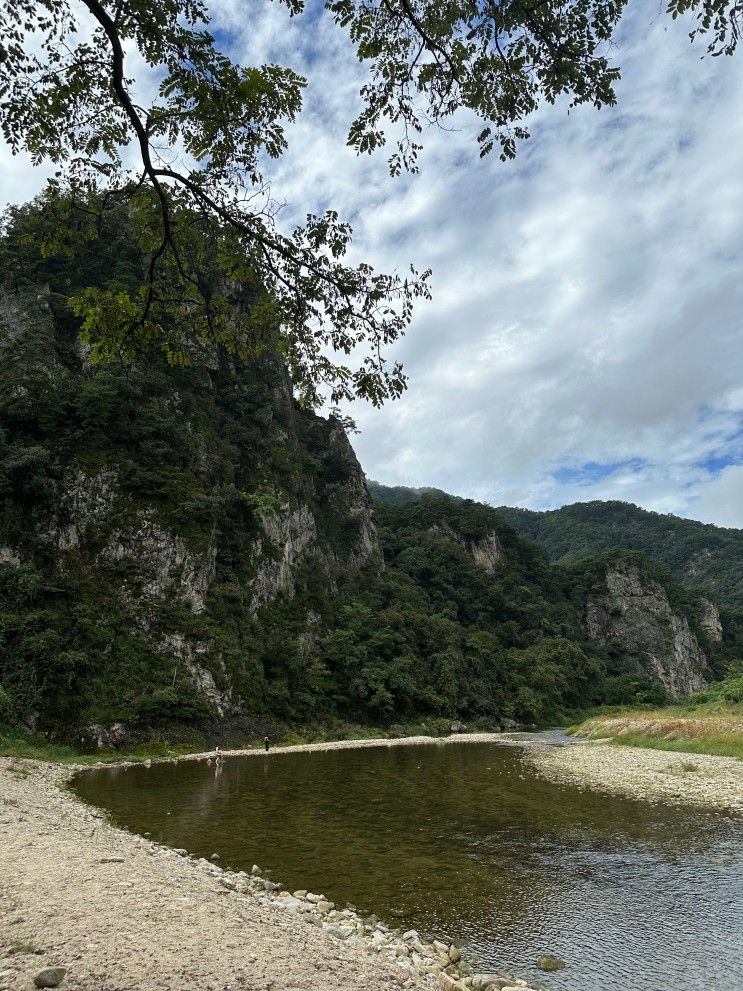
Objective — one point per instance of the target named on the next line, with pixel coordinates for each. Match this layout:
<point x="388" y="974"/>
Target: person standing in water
<point x="266" y="743"/>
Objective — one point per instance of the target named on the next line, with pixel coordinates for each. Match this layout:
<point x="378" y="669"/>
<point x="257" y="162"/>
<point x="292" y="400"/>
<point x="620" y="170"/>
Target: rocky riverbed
<point x="94" y="908"/>
<point x="651" y="775"/>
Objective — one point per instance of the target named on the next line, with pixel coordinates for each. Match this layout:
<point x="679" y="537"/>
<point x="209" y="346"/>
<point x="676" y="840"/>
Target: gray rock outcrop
<point x="192" y="655"/>
<point x="165" y="563"/>
<point x="710" y="621"/>
<point x="105" y="737"/>
<point x="487" y="552"/>
<point x="635" y="615"/>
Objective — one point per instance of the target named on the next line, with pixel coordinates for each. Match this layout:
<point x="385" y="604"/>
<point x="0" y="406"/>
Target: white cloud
<point x="720" y="501"/>
<point x="588" y="298"/>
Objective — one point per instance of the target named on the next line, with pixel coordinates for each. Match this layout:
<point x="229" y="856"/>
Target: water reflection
<point x="463" y="842"/>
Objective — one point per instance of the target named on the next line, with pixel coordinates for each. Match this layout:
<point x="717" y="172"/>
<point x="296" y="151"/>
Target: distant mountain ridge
<point x="700" y="555"/>
<point x="399" y="495"/>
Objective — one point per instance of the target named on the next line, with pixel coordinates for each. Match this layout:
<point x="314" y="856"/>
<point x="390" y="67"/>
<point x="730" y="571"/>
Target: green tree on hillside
<point x="199" y="192"/>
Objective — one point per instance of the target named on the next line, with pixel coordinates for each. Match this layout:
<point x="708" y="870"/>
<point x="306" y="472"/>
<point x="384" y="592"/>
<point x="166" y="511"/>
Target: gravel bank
<point x="684" y="779"/>
<point x="121" y="913"/>
<point x="305" y="748"/>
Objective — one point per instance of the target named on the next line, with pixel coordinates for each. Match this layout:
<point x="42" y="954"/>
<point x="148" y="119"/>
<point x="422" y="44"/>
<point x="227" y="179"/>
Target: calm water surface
<point x="461" y="841"/>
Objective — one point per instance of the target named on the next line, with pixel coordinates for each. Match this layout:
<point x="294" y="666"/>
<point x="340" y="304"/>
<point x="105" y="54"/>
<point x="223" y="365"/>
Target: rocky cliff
<point x="152" y="517"/>
<point x="634" y="616"/>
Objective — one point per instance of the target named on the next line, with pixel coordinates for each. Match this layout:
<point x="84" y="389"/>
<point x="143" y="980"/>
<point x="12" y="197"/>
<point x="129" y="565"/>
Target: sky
<point x="585" y="337"/>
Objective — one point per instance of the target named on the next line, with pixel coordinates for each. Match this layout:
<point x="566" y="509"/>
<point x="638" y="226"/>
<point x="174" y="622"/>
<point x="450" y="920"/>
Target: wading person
<point x="266" y="743"/>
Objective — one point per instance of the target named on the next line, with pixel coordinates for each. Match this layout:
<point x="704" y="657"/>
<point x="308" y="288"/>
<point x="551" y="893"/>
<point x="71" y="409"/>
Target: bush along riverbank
<point x="97" y="906"/>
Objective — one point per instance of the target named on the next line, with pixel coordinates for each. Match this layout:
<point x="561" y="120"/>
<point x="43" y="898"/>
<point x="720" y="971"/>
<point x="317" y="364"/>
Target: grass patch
<point x="722" y="745"/>
<point x="15" y="744"/>
<point x="710" y="722"/>
<point x="573" y="718"/>
<point x="22" y="946"/>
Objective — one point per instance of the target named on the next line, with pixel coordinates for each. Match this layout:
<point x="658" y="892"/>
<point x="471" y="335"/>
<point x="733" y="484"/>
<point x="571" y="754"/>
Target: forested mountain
<point x="398" y="495"/>
<point x="185" y="549"/>
<point x="700" y="555"/>
<point x="491" y="626"/>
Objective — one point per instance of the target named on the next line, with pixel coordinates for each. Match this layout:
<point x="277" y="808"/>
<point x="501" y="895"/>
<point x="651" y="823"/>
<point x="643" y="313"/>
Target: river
<point x="463" y="842"/>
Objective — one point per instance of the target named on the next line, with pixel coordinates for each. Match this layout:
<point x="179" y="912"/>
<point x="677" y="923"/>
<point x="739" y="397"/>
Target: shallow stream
<point x="463" y="842"/>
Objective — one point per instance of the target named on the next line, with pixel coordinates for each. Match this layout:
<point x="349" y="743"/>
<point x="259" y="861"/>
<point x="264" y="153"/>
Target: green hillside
<point x="700" y="555"/>
<point x="706" y="558"/>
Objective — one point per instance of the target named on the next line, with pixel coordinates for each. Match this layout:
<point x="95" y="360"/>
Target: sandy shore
<point x="652" y="775"/>
<point x="122" y="913"/>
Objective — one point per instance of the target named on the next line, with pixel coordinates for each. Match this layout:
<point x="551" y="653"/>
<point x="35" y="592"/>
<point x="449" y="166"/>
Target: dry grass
<point x="713" y="731"/>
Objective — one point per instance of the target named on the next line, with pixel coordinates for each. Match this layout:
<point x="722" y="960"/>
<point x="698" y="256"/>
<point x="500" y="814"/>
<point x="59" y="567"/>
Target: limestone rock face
<point x="295" y="533"/>
<point x="487" y="552"/>
<point x="288" y="536"/>
<point x="698" y="562"/>
<point x="92" y="510"/>
<point x="165" y="563"/>
<point x="634" y="614"/>
<point x="192" y="655"/>
<point x="710" y="621"/>
<point x="86" y="502"/>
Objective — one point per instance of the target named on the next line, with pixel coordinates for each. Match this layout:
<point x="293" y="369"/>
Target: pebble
<point x="50" y="977"/>
<point x="449" y="984"/>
